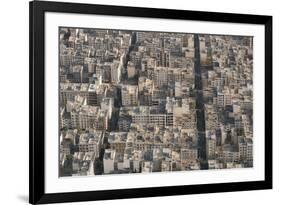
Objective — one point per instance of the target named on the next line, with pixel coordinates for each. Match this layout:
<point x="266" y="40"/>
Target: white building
<point x="108" y="161"/>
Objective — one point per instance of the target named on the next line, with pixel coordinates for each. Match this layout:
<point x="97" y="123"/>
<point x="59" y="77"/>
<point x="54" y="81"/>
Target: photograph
<point x="134" y="102"/>
<point x="140" y="102"/>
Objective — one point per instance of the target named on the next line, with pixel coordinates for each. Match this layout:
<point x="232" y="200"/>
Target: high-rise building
<point x="245" y="149"/>
<point x="210" y="148"/>
<point x="163" y="58"/>
<point x="160" y="76"/>
<point x="116" y="70"/>
<point x="109" y="158"/>
<point x="129" y="95"/>
<point x="131" y="70"/>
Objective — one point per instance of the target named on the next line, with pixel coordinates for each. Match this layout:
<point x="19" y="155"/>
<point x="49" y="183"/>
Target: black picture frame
<point x="37" y="11"/>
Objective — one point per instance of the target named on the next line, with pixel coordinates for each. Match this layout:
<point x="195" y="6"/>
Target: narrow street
<point x="200" y="114"/>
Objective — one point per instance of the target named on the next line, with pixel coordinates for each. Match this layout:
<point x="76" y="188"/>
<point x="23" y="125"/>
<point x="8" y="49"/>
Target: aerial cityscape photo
<point x="144" y="101"/>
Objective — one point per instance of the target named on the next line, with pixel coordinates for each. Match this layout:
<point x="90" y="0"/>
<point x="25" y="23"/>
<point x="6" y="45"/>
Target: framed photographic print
<point x="130" y="102"/>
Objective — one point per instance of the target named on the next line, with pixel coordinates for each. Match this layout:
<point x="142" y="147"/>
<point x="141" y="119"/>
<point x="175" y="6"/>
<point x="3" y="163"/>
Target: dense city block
<point x="140" y="102"/>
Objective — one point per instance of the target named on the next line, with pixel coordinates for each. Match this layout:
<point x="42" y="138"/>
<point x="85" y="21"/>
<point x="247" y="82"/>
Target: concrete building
<point x="109" y="161"/>
<point x="129" y="95"/>
<point x="131" y="70"/>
